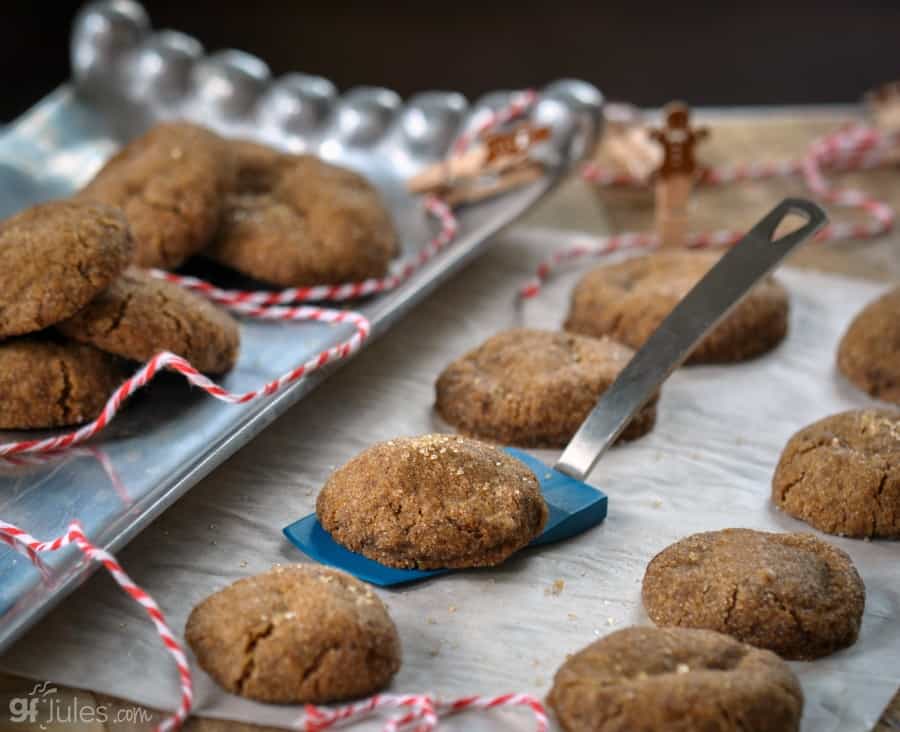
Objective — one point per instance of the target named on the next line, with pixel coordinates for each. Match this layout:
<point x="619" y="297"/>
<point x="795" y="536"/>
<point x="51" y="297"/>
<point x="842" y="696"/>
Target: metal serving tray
<point x="125" y="77"/>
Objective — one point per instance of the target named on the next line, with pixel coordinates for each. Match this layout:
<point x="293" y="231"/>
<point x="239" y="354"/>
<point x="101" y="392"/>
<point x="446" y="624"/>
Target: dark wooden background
<point x="716" y="54"/>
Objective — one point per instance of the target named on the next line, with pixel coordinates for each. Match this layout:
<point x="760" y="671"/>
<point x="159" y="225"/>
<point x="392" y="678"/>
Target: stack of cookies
<point x="74" y="311"/>
<point x="76" y="304"/>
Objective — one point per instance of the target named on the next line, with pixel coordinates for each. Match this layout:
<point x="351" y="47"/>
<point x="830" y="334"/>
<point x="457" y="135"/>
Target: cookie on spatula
<point x="431" y="502"/>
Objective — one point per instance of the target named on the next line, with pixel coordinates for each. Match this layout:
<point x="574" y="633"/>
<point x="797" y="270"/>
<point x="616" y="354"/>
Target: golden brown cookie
<point x="433" y="501"/>
<point x="869" y="353"/>
<point x="295" y="634"/>
<point x="170" y="183"/>
<point x="842" y="474"/>
<point x="53" y="383"/>
<point x="295" y="220"/>
<point x="677" y="680"/>
<point x="139" y="315"/>
<point x="628" y="301"/>
<point x="54" y="259"/>
<point x="790" y="593"/>
<point x="533" y="388"/>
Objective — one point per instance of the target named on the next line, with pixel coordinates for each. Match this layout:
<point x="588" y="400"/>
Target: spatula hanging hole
<point x="791" y="222"/>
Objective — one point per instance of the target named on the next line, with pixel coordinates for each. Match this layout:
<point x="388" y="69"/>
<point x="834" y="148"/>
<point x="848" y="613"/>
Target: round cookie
<point x="842" y="474"/>
<point x="139" y="315"/>
<point x="869" y="353"/>
<point x="46" y="383"/>
<point x="295" y="220"/>
<point x="431" y="502"/>
<point x="170" y="183"/>
<point x="628" y="301"/>
<point x="55" y="258"/>
<point x="533" y="388"/>
<point x="790" y="593"/>
<point x="677" y="680"/>
<point x="295" y="634"/>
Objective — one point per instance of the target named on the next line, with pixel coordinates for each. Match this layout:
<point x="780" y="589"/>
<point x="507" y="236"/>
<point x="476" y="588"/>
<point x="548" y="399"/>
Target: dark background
<point x="720" y="54"/>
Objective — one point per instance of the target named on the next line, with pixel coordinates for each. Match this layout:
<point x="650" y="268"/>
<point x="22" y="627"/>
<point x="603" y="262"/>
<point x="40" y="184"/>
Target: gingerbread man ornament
<point x="676" y="175"/>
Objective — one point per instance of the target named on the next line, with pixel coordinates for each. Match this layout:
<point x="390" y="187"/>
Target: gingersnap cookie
<point x="431" y="502"/>
<point x="295" y="220"/>
<point x="55" y="258"/>
<point x="629" y="300"/>
<point x="296" y="634"/>
<point x="675" y="679"/>
<point x="533" y="388"/>
<point x="138" y="316"/>
<point x="791" y="593"/>
<point x="869" y="353"/>
<point x="842" y="474"/>
<point x="47" y="382"/>
<point x="170" y="183"/>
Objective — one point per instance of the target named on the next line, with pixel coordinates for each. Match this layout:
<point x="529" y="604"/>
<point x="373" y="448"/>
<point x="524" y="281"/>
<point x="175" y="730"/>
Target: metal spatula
<point x="574" y="505"/>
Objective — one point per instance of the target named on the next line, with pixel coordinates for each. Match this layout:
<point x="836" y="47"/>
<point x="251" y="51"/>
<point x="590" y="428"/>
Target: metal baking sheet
<point x="706" y="465"/>
<point x="125" y="77"/>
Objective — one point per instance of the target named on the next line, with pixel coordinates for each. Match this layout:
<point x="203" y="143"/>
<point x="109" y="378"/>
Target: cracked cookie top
<point x="53" y="383"/>
<point x="170" y="183"/>
<point x="433" y="501"/>
<point x="790" y="593"/>
<point x="533" y="388"/>
<point x="842" y="474"/>
<point x="869" y="352"/>
<point x="139" y="315"/>
<point x="629" y="300"/>
<point x="294" y="220"/>
<point x="296" y="634"/>
<point x="675" y="679"/>
<point x="55" y="258"/>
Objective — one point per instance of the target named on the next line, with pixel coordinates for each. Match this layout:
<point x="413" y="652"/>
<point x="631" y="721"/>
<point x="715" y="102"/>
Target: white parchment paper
<point x="706" y="466"/>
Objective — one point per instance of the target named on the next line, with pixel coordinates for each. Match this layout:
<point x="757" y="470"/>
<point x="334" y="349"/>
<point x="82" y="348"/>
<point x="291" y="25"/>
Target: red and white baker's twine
<point x="421" y="710"/>
<point x="30" y="547"/>
<point x="167" y="360"/>
<point x="854" y="147"/>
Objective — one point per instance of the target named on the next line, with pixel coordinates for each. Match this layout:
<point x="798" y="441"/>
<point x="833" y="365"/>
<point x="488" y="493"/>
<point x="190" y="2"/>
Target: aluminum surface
<point x="710" y="300"/>
<point x="125" y="78"/>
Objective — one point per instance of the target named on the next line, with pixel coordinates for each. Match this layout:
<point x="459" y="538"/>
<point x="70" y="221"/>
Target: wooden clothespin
<point x="883" y="104"/>
<point x="497" y="162"/>
<point x="627" y="143"/>
<point x="676" y="174"/>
